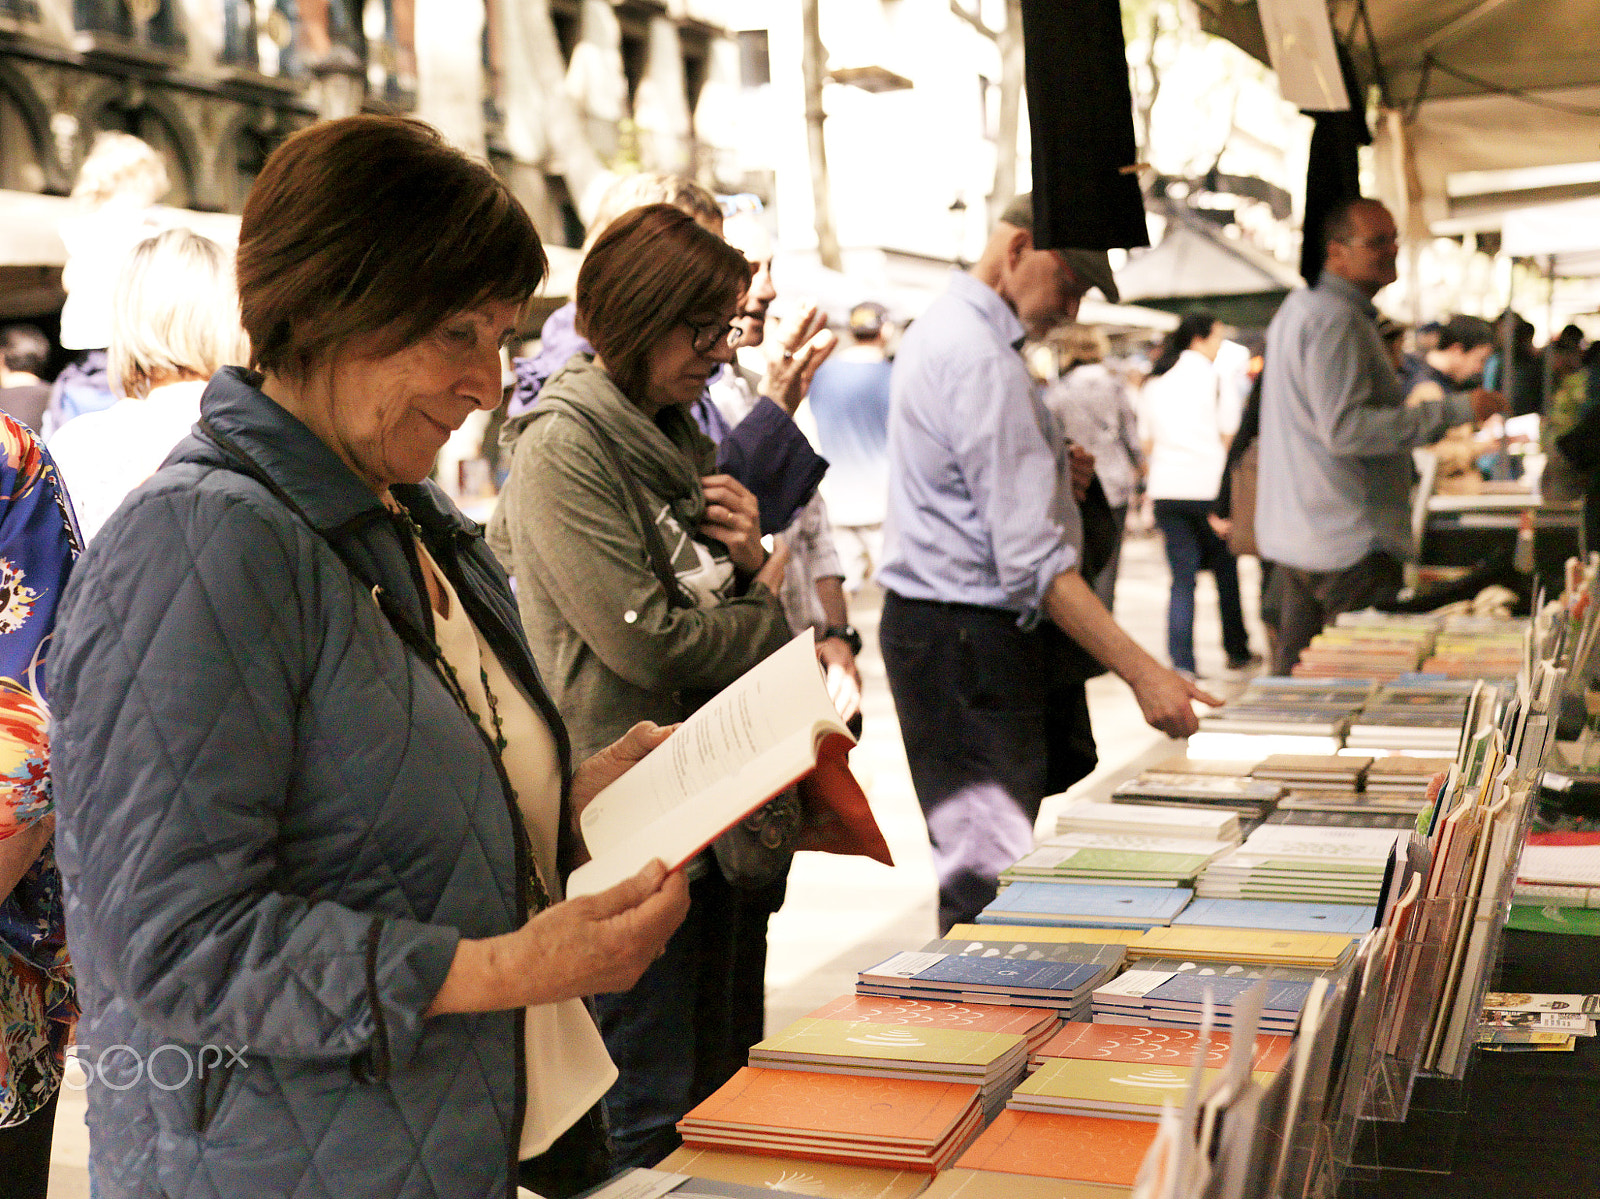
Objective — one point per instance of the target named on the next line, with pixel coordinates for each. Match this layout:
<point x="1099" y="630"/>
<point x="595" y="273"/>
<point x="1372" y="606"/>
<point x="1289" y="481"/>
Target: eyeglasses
<point x="707" y="335"/>
<point x="1372" y="243"/>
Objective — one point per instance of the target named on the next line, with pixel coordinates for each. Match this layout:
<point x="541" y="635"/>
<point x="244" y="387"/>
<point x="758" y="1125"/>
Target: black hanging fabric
<point x="1333" y="171"/>
<point x="1080" y="111"/>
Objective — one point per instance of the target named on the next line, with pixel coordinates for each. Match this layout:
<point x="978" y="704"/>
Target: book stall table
<point x="1255" y="969"/>
<point x="1465" y="530"/>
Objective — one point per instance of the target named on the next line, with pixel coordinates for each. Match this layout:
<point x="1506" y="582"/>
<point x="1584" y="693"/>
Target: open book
<point x="772" y="728"/>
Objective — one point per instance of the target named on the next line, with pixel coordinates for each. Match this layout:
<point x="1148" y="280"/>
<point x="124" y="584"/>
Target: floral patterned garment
<point x="38" y="542"/>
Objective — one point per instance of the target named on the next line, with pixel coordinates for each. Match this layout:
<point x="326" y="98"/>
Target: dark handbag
<point x="756" y="852"/>
<point x="1070" y="662"/>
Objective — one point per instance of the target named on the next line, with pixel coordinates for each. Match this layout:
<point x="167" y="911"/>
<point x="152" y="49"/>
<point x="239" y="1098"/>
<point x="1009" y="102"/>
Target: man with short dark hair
<point x="1462" y="346"/>
<point x="850" y="403"/>
<point x="24" y="351"/>
<point x="1336" y="436"/>
<point x="981" y="562"/>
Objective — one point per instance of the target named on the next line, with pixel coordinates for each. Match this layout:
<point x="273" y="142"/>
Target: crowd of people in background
<point x="243" y="443"/>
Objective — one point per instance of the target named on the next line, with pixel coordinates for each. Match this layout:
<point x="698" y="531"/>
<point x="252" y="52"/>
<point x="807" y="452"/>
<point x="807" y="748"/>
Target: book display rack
<point x="1240" y="979"/>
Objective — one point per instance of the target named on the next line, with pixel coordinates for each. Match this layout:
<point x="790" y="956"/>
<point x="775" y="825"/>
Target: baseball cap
<point x="1092" y="267"/>
<point x="866" y="318"/>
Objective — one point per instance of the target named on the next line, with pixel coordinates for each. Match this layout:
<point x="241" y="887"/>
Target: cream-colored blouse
<point x="568" y="1067"/>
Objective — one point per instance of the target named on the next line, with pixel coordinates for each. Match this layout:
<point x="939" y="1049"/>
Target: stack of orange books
<point x="901" y="1123"/>
<point x="1160" y="1044"/>
<point x="1071" y="1148"/>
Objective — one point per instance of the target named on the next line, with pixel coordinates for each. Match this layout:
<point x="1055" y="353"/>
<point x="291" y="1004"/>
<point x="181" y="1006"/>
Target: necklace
<point x="540" y="896"/>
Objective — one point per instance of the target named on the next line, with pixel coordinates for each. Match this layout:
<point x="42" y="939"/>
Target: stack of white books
<point x="1304" y="863"/>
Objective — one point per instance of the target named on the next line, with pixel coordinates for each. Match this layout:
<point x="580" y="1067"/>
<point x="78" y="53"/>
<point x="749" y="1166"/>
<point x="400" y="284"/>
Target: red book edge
<point x="838" y="817"/>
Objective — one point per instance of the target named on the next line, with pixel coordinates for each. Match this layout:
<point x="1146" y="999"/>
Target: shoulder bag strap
<point x="660" y="564"/>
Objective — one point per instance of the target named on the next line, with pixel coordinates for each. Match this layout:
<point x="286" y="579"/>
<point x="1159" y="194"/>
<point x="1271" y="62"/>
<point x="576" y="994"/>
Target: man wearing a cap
<point x="981" y="567"/>
<point x="850" y="403"/>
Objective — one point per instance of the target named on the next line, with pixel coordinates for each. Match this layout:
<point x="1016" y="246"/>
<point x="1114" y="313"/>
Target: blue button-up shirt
<point x="976" y="511"/>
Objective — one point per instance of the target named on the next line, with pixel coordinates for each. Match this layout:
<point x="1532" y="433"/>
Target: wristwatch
<point x="846" y="633"/>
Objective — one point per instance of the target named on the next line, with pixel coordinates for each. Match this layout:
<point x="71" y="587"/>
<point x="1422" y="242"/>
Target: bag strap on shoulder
<point x="655" y="547"/>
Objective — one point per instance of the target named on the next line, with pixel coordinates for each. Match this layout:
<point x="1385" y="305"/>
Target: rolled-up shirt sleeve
<point x="1011" y="476"/>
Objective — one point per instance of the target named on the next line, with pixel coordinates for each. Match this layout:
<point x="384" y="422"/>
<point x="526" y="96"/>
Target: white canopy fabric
<point x="1481" y="84"/>
<point x="1567" y="233"/>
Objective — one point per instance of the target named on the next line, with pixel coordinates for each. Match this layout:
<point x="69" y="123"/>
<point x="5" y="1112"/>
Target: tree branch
<point x="972" y="18"/>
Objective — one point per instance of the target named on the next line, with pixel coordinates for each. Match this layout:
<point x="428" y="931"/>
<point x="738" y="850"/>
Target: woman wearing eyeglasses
<point x="643" y="583"/>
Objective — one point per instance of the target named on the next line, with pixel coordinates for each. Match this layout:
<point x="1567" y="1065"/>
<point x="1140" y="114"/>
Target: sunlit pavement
<point x="844" y="914"/>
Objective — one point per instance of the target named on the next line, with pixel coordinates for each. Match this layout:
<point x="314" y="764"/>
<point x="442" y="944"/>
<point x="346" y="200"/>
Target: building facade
<point x="554" y="93"/>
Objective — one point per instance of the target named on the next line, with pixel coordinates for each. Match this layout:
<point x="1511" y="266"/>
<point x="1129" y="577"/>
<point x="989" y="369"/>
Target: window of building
<point x="755" y="59"/>
<point x="160" y="28"/>
<point x="21" y="155"/>
<point x="696" y="44"/>
<point x="567" y="17"/>
<point x="635" y="56"/>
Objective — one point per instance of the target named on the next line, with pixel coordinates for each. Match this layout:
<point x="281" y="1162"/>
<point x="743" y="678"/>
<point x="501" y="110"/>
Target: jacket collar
<point x="996" y="313"/>
<point x="1347" y="291"/>
<point x="294" y="457"/>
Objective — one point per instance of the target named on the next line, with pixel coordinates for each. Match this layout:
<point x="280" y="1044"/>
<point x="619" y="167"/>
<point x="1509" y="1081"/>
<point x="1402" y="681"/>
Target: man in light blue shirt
<point x="1333" y="492"/>
<point x="981" y="562"/>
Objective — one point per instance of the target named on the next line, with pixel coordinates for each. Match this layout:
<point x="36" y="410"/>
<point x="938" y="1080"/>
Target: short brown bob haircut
<point x="651" y="269"/>
<point x="374" y="225"/>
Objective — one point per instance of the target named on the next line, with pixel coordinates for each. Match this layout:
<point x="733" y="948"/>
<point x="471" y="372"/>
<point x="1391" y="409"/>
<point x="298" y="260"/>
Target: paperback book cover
<point x="1129" y="1090"/>
<point x="1252" y="945"/>
<point x="839" y="1042"/>
<point x="925" y="973"/>
<point x="1020" y="932"/>
<point x="822" y="1180"/>
<point x="966" y="972"/>
<point x="1075" y="903"/>
<point x="1081" y="1148"/>
<point x="1349" y="919"/>
<point x="1361" y="818"/>
<point x="837" y="1117"/>
<point x="957" y="1183"/>
<point x="1189" y="991"/>
<point x="1031" y="950"/>
<point x="1026" y="1022"/>
<point x="1160" y="1044"/>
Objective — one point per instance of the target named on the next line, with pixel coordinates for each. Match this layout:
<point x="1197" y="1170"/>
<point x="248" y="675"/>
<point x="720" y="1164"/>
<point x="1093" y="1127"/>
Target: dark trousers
<point x="1192" y="546"/>
<point x="25" y="1154"/>
<point x="992" y="723"/>
<point x="1311" y="598"/>
<point x="688" y="1024"/>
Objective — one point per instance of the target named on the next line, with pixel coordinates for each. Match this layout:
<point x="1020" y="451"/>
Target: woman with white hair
<point x="174" y="323"/>
<point x="115" y="205"/>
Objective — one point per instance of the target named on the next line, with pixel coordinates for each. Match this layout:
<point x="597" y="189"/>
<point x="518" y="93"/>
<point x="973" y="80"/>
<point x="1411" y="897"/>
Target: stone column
<point x="449" y="37"/>
<point x="661" y="107"/>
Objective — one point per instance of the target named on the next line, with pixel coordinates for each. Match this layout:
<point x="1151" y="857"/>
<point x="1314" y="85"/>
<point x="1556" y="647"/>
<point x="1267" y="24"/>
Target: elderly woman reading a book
<point x="315" y="805"/>
<point x="644" y="586"/>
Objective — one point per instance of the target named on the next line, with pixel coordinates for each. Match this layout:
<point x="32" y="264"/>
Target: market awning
<point x="1198" y="266"/>
<point x="1479" y="84"/>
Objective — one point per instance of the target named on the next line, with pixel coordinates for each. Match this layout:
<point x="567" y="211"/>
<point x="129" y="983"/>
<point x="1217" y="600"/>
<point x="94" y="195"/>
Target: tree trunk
<point x="1009" y="40"/>
<point x="811" y="60"/>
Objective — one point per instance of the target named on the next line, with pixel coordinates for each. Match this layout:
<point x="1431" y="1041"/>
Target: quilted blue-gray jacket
<point x="274" y="825"/>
